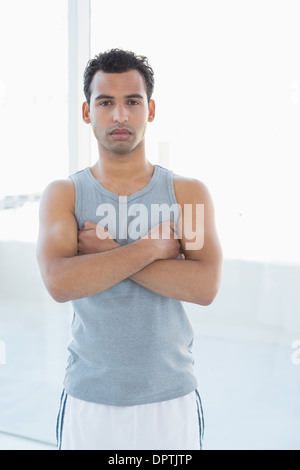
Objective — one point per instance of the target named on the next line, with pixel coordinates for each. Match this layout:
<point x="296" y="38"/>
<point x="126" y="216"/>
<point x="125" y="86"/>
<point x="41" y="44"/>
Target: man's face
<point x="119" y="110"/>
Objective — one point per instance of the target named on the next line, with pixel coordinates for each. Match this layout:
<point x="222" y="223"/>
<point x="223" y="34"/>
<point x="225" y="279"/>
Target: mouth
<point x="120" y="134"/>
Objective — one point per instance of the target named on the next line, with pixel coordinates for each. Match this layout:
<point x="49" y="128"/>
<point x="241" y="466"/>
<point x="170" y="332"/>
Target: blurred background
<point x="228" y="113"/>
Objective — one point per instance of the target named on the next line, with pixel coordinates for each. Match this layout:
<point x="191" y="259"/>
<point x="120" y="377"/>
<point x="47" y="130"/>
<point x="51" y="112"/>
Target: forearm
<point x="86" y="275"/>
<point x="185" y="280"/>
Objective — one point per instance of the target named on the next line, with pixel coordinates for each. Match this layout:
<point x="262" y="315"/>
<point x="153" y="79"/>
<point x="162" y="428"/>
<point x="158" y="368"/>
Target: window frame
<point x="79" y="49"/>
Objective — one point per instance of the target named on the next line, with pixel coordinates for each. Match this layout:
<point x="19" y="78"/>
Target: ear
<point x="86" y="113"/>
<point x="151" y="114"/>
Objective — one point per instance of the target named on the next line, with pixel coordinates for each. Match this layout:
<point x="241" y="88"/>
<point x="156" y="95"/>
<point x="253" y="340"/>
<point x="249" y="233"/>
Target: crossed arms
<point x="78" y="264"/>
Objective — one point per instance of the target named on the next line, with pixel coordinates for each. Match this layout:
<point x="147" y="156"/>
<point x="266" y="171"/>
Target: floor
<point x="8" y="442"/>
<point x="250" y="393"/>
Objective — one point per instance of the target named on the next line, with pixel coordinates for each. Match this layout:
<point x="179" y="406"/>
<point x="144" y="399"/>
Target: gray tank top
<point x="130" y="346"/>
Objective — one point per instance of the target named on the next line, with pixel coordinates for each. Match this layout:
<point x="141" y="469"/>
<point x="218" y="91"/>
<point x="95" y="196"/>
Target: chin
<point x="123" y="148"/>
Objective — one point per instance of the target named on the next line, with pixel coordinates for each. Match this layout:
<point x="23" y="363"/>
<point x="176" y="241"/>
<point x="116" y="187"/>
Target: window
<point x="33" y="109"/>
<point x="33" y="152"/>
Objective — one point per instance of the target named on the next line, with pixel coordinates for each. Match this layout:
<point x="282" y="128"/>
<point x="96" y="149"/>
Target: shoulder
<point x="191" y="190"/>
<point x="58" y="186"/>
<point x="58" y="194"/>
<point x="63" y="187"/>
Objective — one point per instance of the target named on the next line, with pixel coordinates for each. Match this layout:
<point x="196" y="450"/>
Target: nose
<point x="120" y="114"/>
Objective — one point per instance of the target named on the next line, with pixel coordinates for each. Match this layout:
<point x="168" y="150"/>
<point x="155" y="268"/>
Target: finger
<point x="89" y="225"/>
<point x="173" y="227"/>
<point x="102" y="233"/>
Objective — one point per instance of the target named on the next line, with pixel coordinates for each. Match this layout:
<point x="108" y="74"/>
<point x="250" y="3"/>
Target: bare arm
<point x="68" y="276"/>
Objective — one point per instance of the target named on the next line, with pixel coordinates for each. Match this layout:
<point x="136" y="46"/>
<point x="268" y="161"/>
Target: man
<point x="108" y="244"/>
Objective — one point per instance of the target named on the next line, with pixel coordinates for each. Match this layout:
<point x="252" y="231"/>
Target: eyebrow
<point x="135" y="95"/>
<point x="108" y="97"/>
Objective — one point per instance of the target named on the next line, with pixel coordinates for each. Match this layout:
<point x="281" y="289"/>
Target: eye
<point x="105" y="103"/>
<point x="133" y="103"/>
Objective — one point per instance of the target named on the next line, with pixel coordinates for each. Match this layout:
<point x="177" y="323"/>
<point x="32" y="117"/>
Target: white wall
<point x="253" y="295"/>
<point x="19" y="275"/>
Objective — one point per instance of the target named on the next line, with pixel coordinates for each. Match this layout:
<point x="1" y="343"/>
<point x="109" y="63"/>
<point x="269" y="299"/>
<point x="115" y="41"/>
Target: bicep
<point x="58" y="226"/>
<point x="199" y="238"/>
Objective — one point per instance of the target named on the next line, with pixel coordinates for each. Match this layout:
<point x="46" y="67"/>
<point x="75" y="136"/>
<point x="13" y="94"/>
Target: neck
<point x="122" y="168"/>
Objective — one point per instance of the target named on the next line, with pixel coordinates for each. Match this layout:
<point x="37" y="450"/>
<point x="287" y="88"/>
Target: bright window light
<point x="33" y="109"/>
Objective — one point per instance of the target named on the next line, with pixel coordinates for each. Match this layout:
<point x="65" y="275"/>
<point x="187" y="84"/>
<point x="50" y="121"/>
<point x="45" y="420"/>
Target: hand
<point x="164" y="240"/>
<point x="94" y="238"/>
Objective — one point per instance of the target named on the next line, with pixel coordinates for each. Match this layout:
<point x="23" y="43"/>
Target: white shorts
<point x="174" y="425"/>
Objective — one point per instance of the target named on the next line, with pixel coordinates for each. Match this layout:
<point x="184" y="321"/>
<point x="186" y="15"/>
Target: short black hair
<point x="118" y="61"/>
